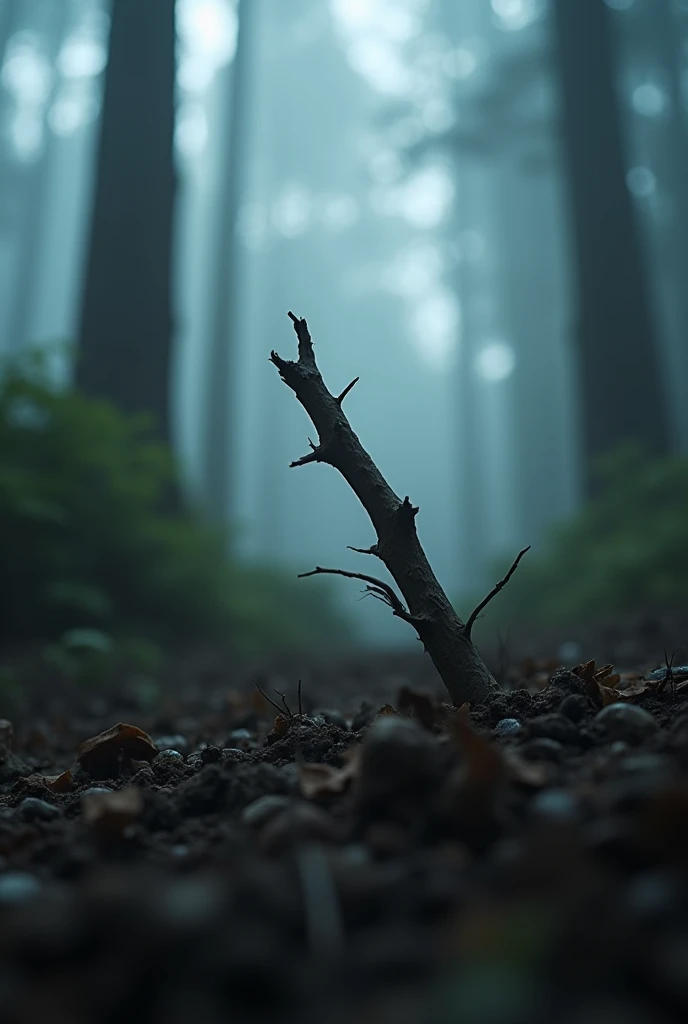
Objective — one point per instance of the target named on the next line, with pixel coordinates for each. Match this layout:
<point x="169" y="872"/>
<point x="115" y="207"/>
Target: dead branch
<point x="427" y="608"/>
<point x="495" y="590"/>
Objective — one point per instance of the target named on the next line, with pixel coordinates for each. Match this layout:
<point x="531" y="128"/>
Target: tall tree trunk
<point x="667" y="39"/>
<point x="621" y="388"/>
<point x="33" y="199"/>
<point x="126" y="326"/>
<point x="216" y="451"/>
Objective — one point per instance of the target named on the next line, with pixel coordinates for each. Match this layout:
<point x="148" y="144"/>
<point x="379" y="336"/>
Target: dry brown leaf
<point x="281" y="725"/>
<point x="608" y="695"/>
<point x="420" y="706"/>
<point x="386" y="709"/>
<point x="104" y="755"/>
<point x="317" y="780"/>
<point x="484" y="766"/>
<point x="110" y="814"/>
<point x="62" y="783"/>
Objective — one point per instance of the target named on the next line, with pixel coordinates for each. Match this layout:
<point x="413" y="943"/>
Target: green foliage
<point x="89" y="551"/>
<point x="625" y="551"/>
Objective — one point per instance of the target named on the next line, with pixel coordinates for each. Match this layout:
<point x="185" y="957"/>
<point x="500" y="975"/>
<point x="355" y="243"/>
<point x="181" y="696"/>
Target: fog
<point x="414" y="177"/>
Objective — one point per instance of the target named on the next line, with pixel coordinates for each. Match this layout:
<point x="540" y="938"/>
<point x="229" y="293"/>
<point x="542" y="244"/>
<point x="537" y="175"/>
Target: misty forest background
<point x="480" y="206"/>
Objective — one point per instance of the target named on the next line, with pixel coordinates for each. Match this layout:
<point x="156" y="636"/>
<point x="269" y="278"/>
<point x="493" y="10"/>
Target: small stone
<point x="176" y="742"/>
<point x="554" y="805"/>
<point x="18" y="886"/>
<point x="261" y="810"/>
<point x="238" y="737"/>
<point x="542" y="749"/>
<point x="211" y="754"/>
<point x="167" y="757"/>
<point x="96" y="791"/>
<point x="297" y="824"/>
<point x="553" y="727"/>
<point x="507" y="727"/>
<point x="33" y="809"/>
<point x="574" y="707"/>
<point x="397" y="755"/>
<point x="332" y="717"/>
<point x="233" y="754"/>
<point x="626" y="722"/>
<point x="363" y="717"/>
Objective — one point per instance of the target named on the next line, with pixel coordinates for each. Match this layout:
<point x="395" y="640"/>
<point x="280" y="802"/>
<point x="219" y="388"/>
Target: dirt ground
<point x="365" y="853"/>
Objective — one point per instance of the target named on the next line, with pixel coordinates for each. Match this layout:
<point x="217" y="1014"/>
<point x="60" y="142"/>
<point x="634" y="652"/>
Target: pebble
<point x="167" y="757"/>
<point x="555" y="805"/>
<point x="574" y="707"/>
<point x="176" y="742"/>
<point x="626" y="722"/>
<point x="265" y="807"/>
<point x="238" y="736"/>
<point x="332" y="717"/>
<point x="507" y="727"/>
<point x="96" y="791"/>
<point x="33" y="809"/>
<point x="211" y="754"/>
<point x="542" y="749"/>
<point x="233" y="754"/>
<point x="553" y="727"/>
<point x="396" y="754"/>
<point x="18" y="886"/>
<point x="296" y="824"/>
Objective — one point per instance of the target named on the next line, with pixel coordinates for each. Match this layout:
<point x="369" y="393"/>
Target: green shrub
<point x="626" y="551"/>
<point x="86" y="542"/>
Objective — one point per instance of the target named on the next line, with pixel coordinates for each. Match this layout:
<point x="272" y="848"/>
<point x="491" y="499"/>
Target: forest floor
<point x="373" y="855"/>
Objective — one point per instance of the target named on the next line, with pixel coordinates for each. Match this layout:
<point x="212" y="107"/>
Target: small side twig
<point x="493" y="593"/>
<point x="279" y="708"/>
<point x="347" y="389"/>
<point x="378" y="588"/>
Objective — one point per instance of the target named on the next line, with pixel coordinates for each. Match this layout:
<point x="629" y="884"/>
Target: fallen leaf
<point x="316" y="780"/>
<point x="484" y="766"/>
<point x="62" y="783"/>
<point x="103" y="756"/>
<point x="110" y="814"/>
<point x="281" y="725"/>
<point x="421" y="706"/>
<point x="386" y="709"/>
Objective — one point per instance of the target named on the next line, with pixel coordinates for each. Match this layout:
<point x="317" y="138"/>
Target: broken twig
<point x="425" y="605"/>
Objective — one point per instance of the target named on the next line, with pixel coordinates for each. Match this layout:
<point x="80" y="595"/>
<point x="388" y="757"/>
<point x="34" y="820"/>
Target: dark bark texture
<point x="445" y="637"/>
<point x="620" y="374"/>
<point x="126" y="327"/>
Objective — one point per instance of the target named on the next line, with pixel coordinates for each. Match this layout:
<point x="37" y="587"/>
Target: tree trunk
<point x="126" y="326"/>
<point x="33" y="187"/>
<point x="216" y="451"/>
<point x="620" y="377"/>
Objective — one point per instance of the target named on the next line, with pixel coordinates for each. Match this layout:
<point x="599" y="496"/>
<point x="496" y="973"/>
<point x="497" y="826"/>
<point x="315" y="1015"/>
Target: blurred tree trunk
<point x="216" y="450"/>
<point x="667" y="40"/>
<point x="126" y="326"/>
<point x="33" y="195"/>
<point x="620" y="376"/>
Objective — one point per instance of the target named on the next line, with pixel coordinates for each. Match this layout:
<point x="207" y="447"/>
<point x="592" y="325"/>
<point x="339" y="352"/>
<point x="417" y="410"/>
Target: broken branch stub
<point x="428" y="609"/>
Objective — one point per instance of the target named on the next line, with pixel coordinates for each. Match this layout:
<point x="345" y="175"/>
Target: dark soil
<point x="524" y="863"/>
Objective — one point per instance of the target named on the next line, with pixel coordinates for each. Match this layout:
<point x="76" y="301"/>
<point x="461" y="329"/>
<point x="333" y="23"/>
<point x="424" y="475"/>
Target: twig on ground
<point x="495" y="590"/>
<point x="271" y="701"/>
<point x="427" y="608"/>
